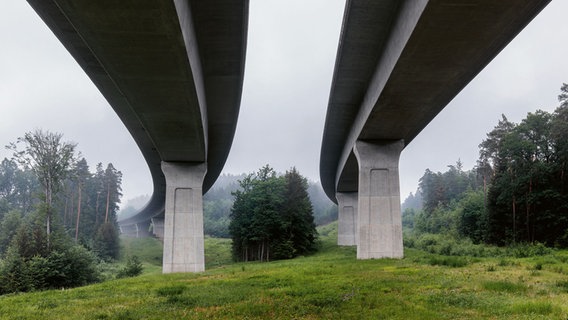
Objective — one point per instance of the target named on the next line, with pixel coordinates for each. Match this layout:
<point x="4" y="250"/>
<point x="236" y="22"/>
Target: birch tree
<point x="50" y="159"/>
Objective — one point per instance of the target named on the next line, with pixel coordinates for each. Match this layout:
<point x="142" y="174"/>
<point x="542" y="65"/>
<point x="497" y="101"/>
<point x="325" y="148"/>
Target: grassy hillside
<point x="329" y="285"/>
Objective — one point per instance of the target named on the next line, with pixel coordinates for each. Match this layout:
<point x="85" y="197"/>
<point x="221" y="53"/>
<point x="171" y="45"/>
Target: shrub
<point x="525" y="250"/>
<point x="133" y="268"/>
<point x="70" y="267"/>
<point x="34" y="263"/>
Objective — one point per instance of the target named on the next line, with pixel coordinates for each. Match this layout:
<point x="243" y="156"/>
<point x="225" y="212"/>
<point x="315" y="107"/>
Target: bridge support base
<point x="347" y="218"/>
<point x="183" y="225"/>
<point x="380" y="221"/>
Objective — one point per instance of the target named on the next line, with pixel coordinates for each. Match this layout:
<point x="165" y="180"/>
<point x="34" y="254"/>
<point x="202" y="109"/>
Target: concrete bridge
<point x="399" y="63"/>
<point x="173" y="72"/>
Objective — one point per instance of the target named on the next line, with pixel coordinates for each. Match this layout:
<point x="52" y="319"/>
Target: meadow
<point x="331" y="284"/>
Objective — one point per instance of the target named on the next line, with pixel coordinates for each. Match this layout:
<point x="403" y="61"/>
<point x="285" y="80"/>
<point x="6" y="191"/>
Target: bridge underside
<point x="173" y="72"/>
<point x="398" y="65"/>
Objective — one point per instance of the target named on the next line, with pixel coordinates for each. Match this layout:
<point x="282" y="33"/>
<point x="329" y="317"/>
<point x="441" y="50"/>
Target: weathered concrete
<point x="380" y="221"/>
<point x="183" y="225"/>
<point x="347" y="218"/>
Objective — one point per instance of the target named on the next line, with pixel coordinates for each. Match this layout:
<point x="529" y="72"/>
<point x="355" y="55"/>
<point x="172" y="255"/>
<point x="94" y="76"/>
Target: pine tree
<point x="272" y="217"/>
<point x="298" y="216"/>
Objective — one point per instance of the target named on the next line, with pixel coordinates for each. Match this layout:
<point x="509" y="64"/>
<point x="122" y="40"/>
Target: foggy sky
<point x="290" y="59"/>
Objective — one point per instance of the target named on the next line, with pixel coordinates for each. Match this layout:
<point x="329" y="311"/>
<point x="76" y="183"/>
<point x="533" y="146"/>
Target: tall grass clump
<point x="526" y="250"/>
<point x="504" y="286"/>
<point x="534" y="308"/>
<point x="450" y="246"/>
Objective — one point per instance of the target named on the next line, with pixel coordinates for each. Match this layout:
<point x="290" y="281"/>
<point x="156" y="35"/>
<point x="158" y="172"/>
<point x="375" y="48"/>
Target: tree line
<point x="518" y="191"/>
<point x="272" y="217"/>
<point x="57" y="218"/>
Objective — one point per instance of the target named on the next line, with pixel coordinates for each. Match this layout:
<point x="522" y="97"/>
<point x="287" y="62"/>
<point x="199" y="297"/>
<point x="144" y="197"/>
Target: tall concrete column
<point x="158" y="227"/>
<point x="347" y="218"/>
<point x="142" y="229"/>
<point x="380" y="221"/>
<point x="183" y="225"/>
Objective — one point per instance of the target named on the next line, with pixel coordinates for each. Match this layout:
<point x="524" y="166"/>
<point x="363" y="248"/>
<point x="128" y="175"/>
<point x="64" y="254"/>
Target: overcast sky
<point x="290" y="59"/>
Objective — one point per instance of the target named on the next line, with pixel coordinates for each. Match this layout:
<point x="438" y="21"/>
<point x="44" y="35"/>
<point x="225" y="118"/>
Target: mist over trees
<point x="217" y="203"/>
<point x="517" y="193"/>
<point x="57" y="218"/>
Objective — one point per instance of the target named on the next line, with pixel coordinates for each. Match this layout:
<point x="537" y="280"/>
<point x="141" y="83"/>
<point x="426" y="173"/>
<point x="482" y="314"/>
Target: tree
<point x="272" y="217"/>
<point x="8" y="227"/>
<point x="299" y="227"/>
<point x="563" y="96"/>
<point x="36" y="261"/>
<point x="82" y="176"/>
<point x="527" y="194"/>
<point x="106" y="244"/>
<point x="472" y="216"/>
<point x="50" y="159"/>
<point x="17" y="187"/>
<point x="112" y="183"/>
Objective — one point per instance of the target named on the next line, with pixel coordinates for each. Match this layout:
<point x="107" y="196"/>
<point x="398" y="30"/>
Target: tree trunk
<point x="48" y="214"/>
<point x="65" y="211"/>
<point x="78" y="215"/>
<point x="70" y="211"/>
<point x="97" y="210"/>
<point x="514" y="221"/>
<point x="107" y="203"/>
<point x="529" y="237"/>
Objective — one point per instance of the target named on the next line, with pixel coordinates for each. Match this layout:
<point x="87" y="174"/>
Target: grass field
<point x="329" y="285"/>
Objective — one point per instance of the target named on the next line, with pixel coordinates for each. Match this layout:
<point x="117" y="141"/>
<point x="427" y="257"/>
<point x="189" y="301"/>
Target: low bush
<point x="133" y="268"/>
<point x="449" y="246"/>
<point x="525" y="250"/>
<point x="504" y="286"/>
<point x="68" y="267"/>
<point x="36" y="261"/>
<point x="450" y="261"/>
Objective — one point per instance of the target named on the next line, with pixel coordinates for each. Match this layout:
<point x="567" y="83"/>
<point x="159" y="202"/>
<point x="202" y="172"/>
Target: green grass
<point x="331" y="284"/>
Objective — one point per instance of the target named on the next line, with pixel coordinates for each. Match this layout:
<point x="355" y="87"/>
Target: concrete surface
<point x="183" y="224"/>
<point x="347" y="218"/>
<point x="380" y="220"/>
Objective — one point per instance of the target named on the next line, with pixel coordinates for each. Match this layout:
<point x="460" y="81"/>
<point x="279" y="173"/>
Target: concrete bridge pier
<point x="183" y="225"/>
<point x="143" y="229"/>
<point x="129" y="230"/>
<point x="380" y="220"/>
<point x="158" y="227"/>
<point x="347" y="218"/>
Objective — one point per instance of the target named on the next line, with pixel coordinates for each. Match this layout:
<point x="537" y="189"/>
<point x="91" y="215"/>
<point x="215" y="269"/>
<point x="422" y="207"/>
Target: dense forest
<point x="517" y="193"/>
<point x="57" y="218"/>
